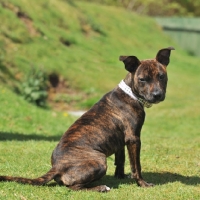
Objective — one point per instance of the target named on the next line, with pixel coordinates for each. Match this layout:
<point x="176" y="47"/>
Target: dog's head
<point x="149" y="77"/>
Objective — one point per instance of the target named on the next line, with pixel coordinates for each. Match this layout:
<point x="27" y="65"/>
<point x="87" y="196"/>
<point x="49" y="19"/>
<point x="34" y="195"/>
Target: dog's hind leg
<point x="77" y="175"/>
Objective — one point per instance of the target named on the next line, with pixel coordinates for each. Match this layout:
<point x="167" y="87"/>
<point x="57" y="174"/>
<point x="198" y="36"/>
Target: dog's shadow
<point x="6" y="136"/>
<point x="157" y="178"/>
<point x="162" y="178"/>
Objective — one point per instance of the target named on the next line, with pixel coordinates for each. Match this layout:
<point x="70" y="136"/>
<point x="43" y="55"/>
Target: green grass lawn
<point x="98" y="35"/>
<point x="170" y="151"/>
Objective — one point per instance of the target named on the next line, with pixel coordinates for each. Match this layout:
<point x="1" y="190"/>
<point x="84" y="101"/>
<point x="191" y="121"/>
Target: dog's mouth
<point x="154" y="100"/>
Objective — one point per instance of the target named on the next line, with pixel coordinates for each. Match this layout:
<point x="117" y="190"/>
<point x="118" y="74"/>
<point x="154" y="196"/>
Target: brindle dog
<point x="115" y="121"/>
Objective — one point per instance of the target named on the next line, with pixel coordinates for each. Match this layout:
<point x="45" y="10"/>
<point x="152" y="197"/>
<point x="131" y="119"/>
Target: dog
<point x="111" y="124"/>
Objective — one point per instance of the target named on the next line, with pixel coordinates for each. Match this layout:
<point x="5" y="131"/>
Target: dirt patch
<point x="61" y="96"/>
<point x="29" y="23"/>
<point x="65" y="42"/>
<point x="23" y="17"/>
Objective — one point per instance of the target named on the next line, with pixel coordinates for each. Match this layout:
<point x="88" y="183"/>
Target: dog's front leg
<point x="134" y="156"/>
<point x="119" y="163"/>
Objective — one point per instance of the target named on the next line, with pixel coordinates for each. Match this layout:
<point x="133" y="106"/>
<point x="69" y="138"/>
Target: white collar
<point x="128" y="91"/>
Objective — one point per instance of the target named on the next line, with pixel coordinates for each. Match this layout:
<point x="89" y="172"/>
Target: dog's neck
<point x="127" y="87"/>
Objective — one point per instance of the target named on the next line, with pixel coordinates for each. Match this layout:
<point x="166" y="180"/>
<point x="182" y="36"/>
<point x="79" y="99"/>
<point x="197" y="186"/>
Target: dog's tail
<point x="37" y="181"/>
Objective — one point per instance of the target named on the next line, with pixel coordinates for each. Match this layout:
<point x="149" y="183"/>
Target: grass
<point x="97" y="36"/>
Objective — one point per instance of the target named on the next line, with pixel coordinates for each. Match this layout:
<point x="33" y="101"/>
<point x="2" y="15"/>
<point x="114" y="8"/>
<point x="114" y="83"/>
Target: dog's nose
<point x="157" y="95"/>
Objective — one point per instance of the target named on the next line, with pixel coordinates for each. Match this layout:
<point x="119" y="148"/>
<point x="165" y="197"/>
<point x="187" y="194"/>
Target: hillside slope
<point x="80" y="42"/>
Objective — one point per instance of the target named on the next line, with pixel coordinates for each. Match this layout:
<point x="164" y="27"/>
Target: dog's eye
<point x="162" y="76"/>
<point x="142" y="79"/>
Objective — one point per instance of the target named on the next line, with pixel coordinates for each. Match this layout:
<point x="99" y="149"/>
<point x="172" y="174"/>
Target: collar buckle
<point x="145" y="103"/>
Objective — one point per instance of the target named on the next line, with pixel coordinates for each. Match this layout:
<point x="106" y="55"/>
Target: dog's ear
<point x="163" y="55"/>
<point x="131" y="62"/>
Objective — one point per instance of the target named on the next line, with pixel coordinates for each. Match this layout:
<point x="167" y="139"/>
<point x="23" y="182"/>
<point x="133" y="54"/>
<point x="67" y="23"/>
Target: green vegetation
<point x="34" y="88"/>
<point x="156" y="8"/>
<point x="81" y="43"/>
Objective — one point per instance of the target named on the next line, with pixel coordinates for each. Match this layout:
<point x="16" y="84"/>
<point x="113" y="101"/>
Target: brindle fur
<point x="115" y="121"/>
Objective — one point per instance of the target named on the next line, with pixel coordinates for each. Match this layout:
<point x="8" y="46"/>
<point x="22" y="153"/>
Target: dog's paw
<point x="107" y="188"/>
<point x="103" y="188"/>
<point x="143" y="183"/>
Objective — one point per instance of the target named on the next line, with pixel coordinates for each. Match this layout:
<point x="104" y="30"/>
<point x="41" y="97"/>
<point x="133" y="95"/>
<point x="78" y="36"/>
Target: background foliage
<point x="157" y="8"/>
<point x="34" y="87"/>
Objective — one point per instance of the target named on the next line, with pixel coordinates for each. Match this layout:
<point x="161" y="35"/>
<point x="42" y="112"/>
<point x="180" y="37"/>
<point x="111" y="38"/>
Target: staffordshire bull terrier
<point x="111" y="124"/>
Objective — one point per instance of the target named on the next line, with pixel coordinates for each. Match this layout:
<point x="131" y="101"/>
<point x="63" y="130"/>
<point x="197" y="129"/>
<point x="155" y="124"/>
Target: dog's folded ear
<point x="163" y="55"/>
<point x="131" y="62"/>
